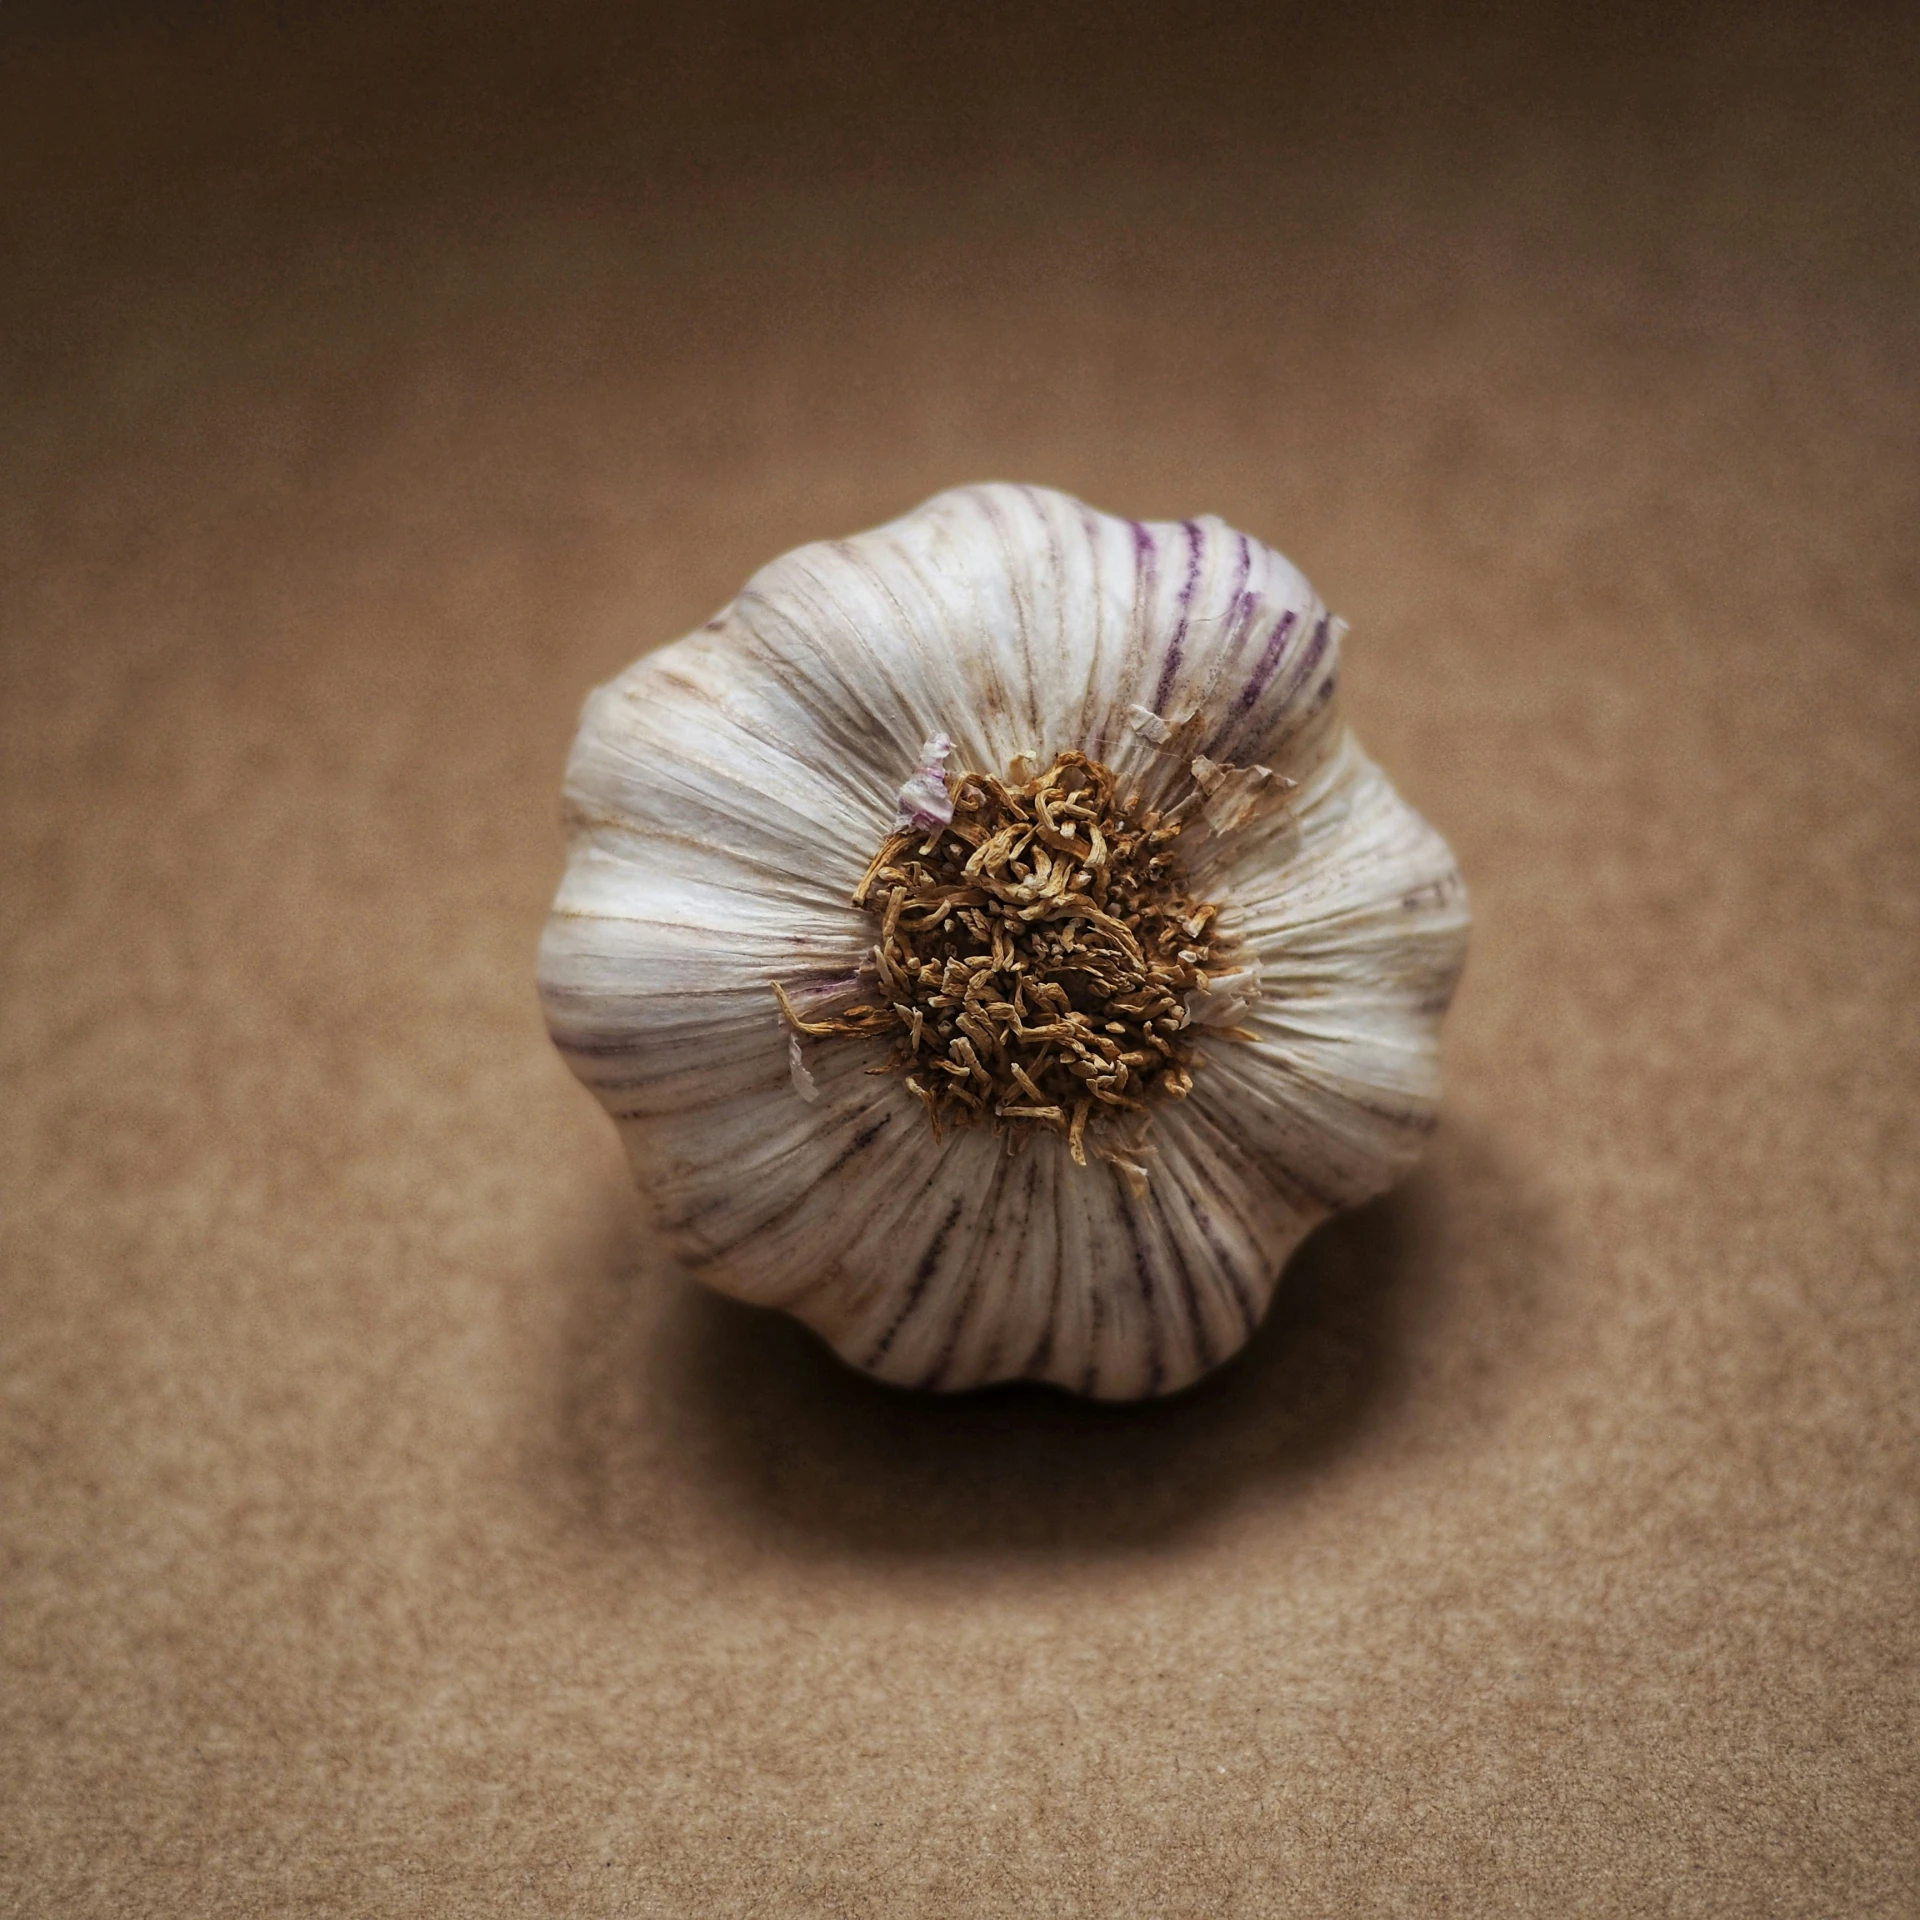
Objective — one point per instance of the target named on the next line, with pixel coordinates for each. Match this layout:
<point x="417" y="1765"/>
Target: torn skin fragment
<point x="1234" y="794"/>
<point x="924" y="801"/>
<point x="1148" y="725"/>
<point x="797" y="1071"/>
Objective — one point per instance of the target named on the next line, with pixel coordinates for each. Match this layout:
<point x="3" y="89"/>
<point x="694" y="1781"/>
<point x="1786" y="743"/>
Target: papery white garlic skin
<point x="725" y="796"/>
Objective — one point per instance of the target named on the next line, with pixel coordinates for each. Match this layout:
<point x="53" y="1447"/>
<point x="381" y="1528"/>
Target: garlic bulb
<point x="993" y="946"/>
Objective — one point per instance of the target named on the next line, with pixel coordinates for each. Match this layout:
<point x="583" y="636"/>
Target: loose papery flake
<point x="924" y="800"/>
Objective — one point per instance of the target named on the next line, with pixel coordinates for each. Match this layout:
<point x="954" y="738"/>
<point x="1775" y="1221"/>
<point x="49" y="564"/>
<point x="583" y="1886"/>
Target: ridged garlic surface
<point x="729" y="795"/>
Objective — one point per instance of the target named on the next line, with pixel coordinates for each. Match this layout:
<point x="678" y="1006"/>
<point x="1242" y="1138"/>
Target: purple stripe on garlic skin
<point x="727" y="794"/>
<point x="1177" y="639"/>
<point x="1269" y="660"/>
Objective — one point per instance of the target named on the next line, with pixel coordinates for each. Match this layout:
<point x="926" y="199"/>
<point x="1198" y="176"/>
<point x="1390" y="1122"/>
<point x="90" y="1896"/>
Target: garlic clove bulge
<point x="1145" y="976"/>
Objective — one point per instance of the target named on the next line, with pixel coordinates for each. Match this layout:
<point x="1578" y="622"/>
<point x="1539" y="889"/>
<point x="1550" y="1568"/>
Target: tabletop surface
<point x="387" y="1525"/>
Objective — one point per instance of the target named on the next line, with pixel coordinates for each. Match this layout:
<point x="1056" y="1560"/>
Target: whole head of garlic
<point x="993" y="946"/>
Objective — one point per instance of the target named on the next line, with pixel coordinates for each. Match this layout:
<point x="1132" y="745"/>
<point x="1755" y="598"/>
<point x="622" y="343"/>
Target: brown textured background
<point x="384" y="1529"/>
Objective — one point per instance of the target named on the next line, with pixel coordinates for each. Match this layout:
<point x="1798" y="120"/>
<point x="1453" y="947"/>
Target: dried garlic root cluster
<point x="1039" y="1067"/>
<point x="1034" y="959"/>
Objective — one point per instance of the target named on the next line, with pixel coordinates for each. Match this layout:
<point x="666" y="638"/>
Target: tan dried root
<point x="1033" y="960"/>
